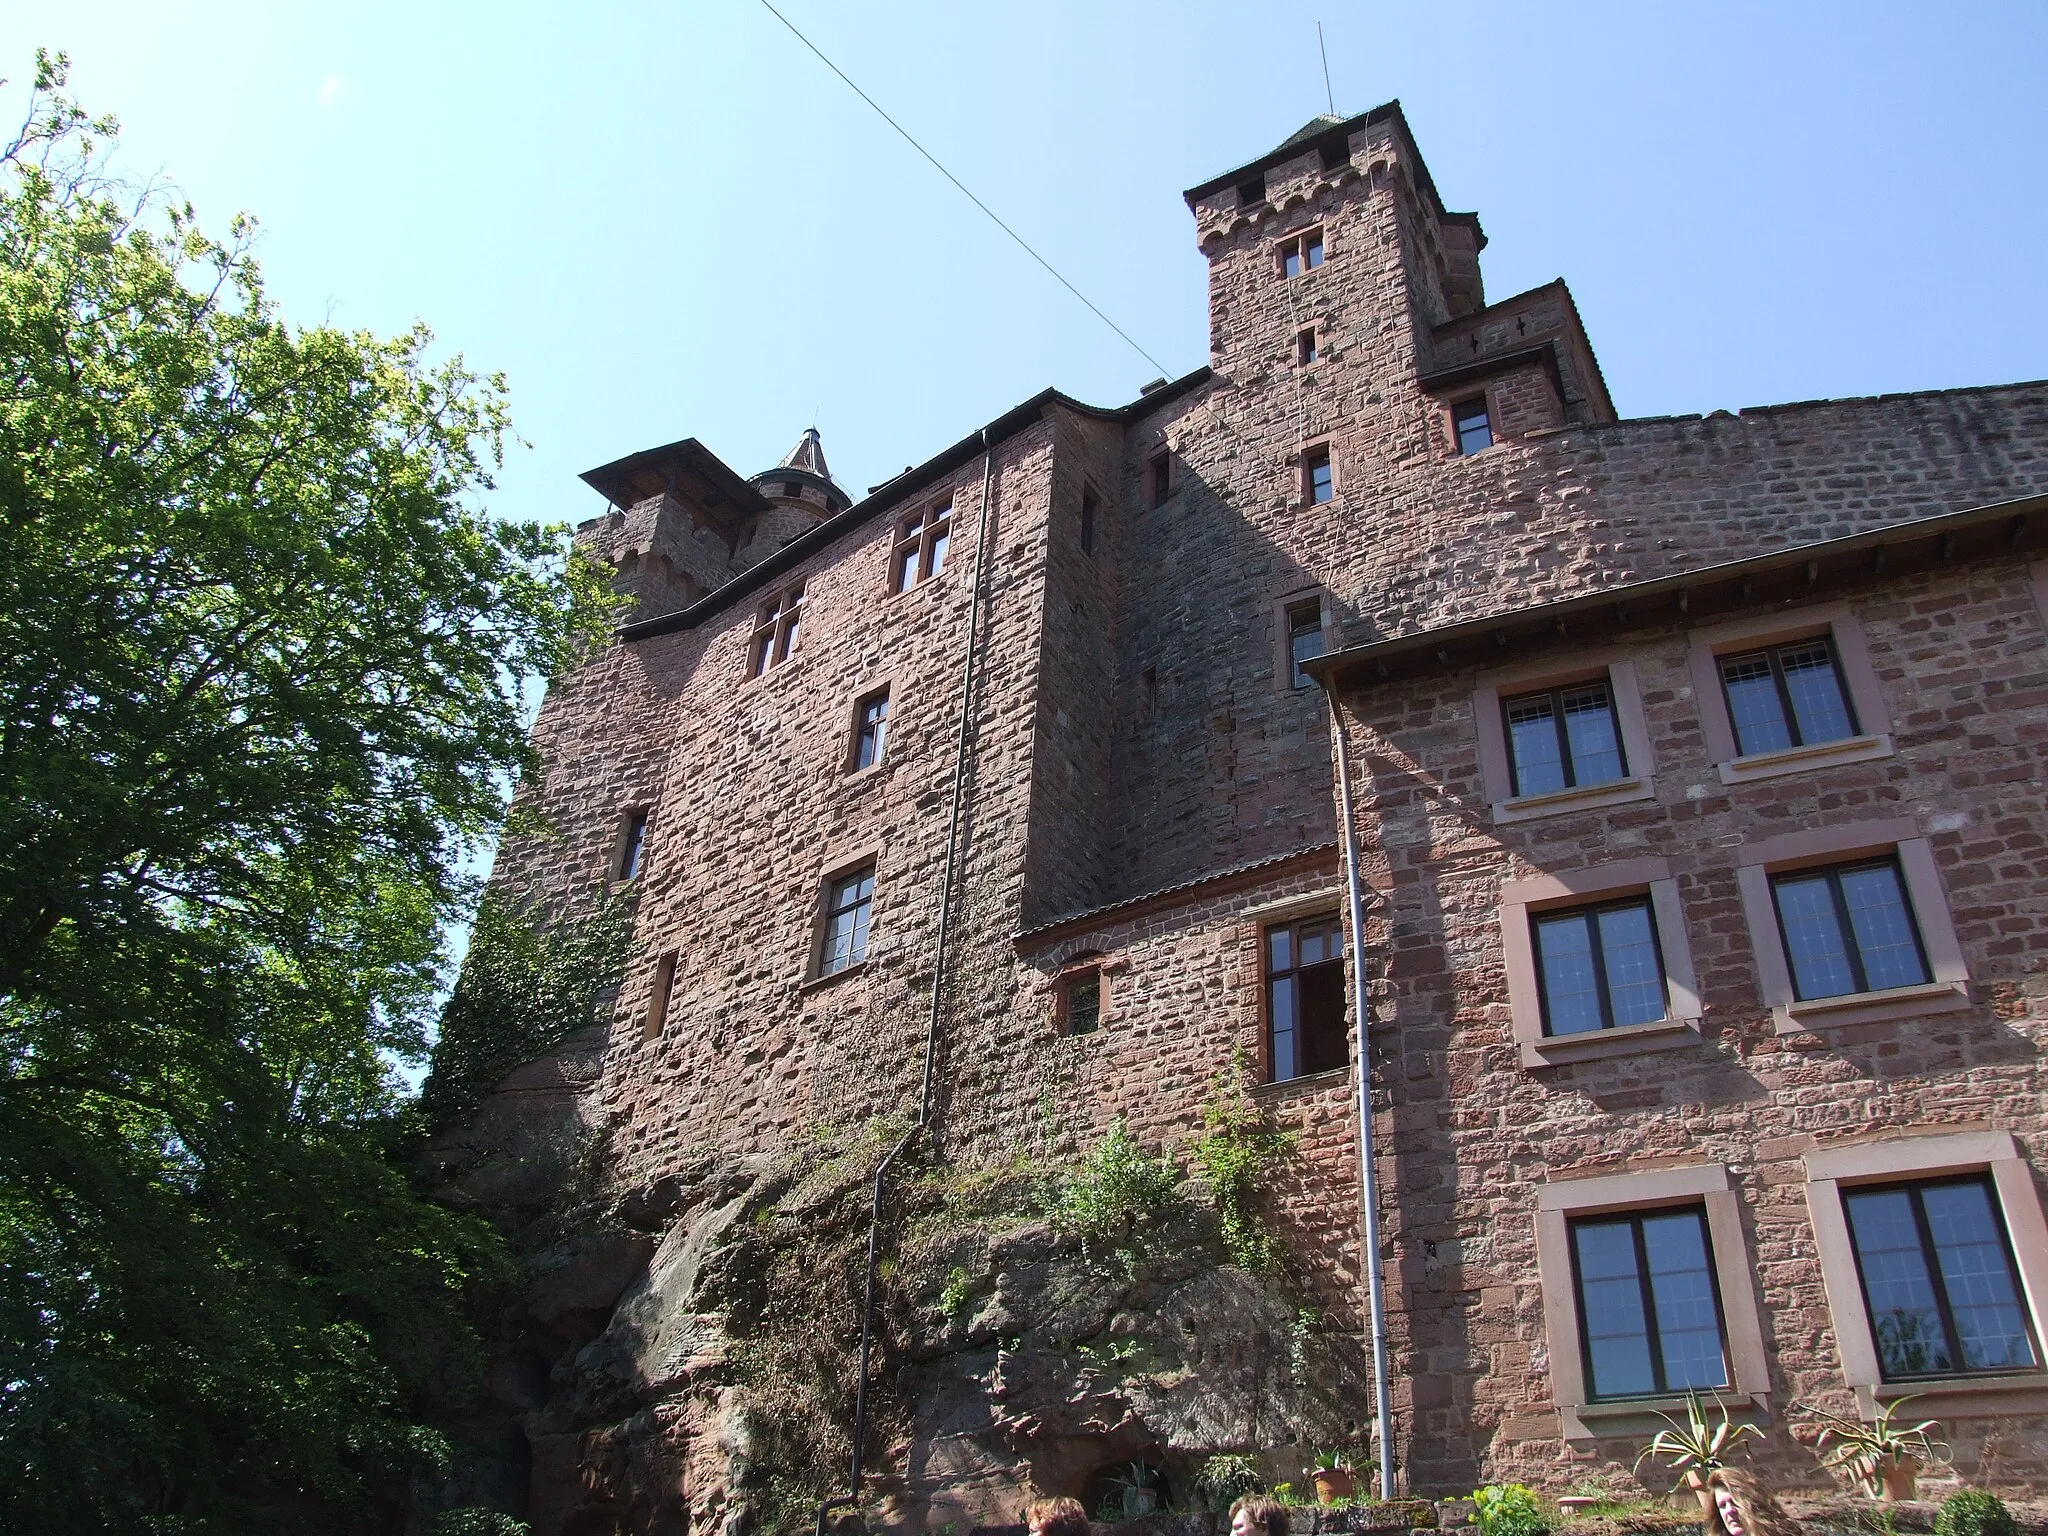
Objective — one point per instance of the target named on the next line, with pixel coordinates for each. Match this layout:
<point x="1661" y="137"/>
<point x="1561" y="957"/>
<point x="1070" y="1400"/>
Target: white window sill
<point x="1871" y="1007"/>
<point x="1626" y="1040"/>
<point x="1581" y="797"/>
<point x="1826" y="754"/>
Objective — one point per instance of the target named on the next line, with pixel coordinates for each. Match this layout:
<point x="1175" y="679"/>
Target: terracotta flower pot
<point x="1705" y="1495"/>
<point x="1897" y="1478"/>
<point x="1334" y="1483"/>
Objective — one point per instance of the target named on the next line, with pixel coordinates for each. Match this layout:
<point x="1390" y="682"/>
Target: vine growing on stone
<point x="1236" y="1151"/>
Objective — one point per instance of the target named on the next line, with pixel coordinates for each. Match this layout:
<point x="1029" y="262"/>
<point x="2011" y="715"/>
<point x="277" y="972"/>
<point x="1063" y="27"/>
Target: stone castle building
<point x="1694" y="772"/>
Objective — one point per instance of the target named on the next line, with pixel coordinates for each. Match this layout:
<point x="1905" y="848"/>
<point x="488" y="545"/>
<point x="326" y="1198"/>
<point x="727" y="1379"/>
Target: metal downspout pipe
<point x="1368" y="1184"/>
<point x="931" y="1034"/>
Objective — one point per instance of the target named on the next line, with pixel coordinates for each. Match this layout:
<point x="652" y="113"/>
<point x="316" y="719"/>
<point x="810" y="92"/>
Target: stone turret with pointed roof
<point x="800" y="493"/>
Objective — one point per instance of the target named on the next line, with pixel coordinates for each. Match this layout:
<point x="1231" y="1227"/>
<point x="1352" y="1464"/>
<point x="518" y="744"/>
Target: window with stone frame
<point x="1940" y="1286"/>
<point x="870" y="729"/>
<point x="1649" y="1303"/>
<point x="1091" y="504"/>
<point x="632" y="849"/>
<point x="919" y="550"/>
<point x="1599" y="966"/>
<point x="659" y="998"/>
<point x="776" y="625"/>
<point x="1849" y="928"/>
<point x="1318" y="475"/>
<point x="1079" y="994"/>
<point x="1472" y="425"/>
<point x="1562" y="738"/>
<point x="1304" y="638"/>
<point x="849" y="899"/>
<point x="1790" y="691"/>
<point x="1783" y="696"/>
<point x="1301" y="253"/>
<point x="1158" y="478"/>
<point x="1305" y="1030"/>
<point x="1305" y="349"/>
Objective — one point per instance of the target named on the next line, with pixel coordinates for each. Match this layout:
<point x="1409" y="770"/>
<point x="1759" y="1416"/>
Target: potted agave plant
<point x="1883" y="1455"/>
<point x="1696" y="1447"/>
<point x="1336" y="1476"/>
<point x="1136" y="1489"/>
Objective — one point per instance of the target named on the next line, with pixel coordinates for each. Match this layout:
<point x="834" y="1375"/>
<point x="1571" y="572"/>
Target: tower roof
<point x="808" y="454"/>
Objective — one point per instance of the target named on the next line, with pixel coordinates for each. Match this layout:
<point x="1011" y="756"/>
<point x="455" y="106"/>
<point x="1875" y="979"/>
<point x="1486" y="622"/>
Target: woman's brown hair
<point x="1269" y="1515"/>
<point x="1759" y="1510"/>
<point x="1056" y="1517"/>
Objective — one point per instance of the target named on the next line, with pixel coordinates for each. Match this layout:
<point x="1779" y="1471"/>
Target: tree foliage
<point x="262" y="656"/>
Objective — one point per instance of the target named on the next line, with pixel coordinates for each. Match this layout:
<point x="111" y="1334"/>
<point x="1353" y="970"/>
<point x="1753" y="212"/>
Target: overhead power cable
<point x="984" y="207"/>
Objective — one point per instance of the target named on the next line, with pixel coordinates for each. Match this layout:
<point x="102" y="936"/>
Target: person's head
<point x="1056" y="1517"/>
<point x="1745" y="1507"/>
<point x="1257" y="1515"/>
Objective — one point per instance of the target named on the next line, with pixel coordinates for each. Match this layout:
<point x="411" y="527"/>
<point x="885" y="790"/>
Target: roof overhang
<point x="686" y="470"/>
<point x="1800" y="573"/>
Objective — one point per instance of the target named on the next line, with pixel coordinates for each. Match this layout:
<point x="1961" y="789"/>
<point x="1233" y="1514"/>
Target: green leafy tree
<point x="262" y="657"/>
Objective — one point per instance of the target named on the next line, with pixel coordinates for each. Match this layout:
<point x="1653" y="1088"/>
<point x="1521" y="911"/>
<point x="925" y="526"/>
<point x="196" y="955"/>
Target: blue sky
<point x="670" y="221"/>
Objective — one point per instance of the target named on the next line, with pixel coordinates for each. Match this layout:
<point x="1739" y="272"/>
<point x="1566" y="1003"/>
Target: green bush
<point x="1225" y="1478"/>
<point x="1508" y="1509"/>
<point x="1235" y="1155"/>
<point x="1971" y="1513"/>
<point x="479" y="1522"/>
<point x="1111" y="1187"/>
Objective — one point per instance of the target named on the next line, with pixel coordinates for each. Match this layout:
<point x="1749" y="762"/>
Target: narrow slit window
<point x="1318" y="475"/>
<point x="1090" y="505"/>
<point x="1939" y="1284"/>
<point x="1304" y="638"/>
<point x="1563" y="738"/>
<point x="1305" y="997"/>
<point x="1472" y="425"/>
<point x="919" y="551"/>
<point x="1305" y="351"/>
<point x="1849" y="929"/>
<point x="848" y="899"/>
<point x="632" y="845"/>
<point x="1599" y="967"/>
<point x="658" y="999"/>
<point x="1649" y="1304"/>
<point x="870" y="729"/>
<point x="1158" y="478"/>
<point x="775" y="630"/>
<point x="1787" y="696"/>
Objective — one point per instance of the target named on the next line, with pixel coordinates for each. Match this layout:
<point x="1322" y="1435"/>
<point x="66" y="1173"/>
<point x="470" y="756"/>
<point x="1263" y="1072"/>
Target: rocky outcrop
<point x="681" y="1354"/>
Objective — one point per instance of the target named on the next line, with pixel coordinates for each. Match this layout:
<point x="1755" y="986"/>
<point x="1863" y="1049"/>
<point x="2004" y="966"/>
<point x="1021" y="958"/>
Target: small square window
<point x="1649" y="1303"/>
<point x="1081" y="1001"/>
<point x="1090" y="505"/>
<point x="1472" y="425"/>
<point x="1301" y="253"/>
<point x="632" y="846"/>
<point x="1305" y="997"/>
<point x="658" y="999"/>
<point x="1599" y="967"/>
<point x="1563" y="738"/>
<point x="1849" y="929"/>
<point x="775" y="630"/>
<point x="1158" y="478"/>
<point x="1786" y="696"/>
<point x="1251" y="193"/>
<point x="870" y="729"/>
<point x="1304" y="638"/>
<point x="848" y="900"/>
<point x="1305" y="347"/>
<point x="1318" y="476"/>
<point x="919" y="551"/>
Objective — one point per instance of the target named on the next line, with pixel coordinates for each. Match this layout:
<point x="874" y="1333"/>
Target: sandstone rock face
<point x="678" y="1358"/>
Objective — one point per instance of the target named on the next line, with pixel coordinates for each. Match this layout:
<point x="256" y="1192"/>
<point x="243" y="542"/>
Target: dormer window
<point x="1301" y="253"/>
